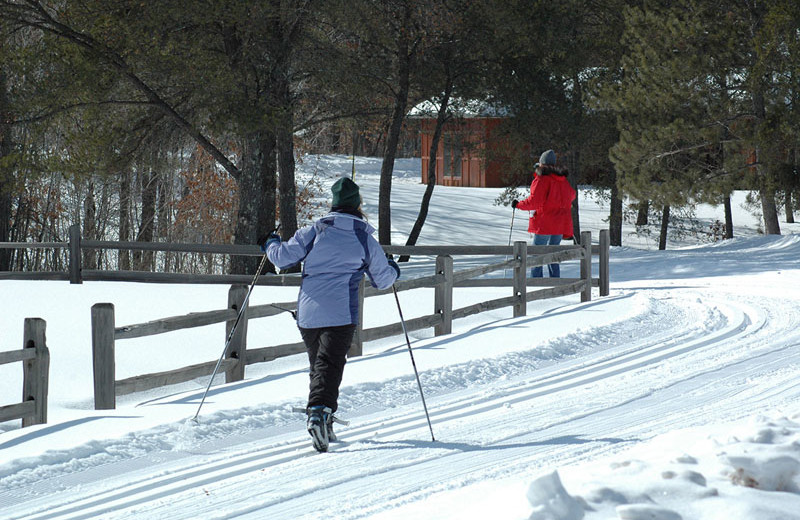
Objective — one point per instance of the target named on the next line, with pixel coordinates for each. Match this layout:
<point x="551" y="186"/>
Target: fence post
<point x="586" y="265"/>
<point x="105" y="397"/>
<point x="357" y="345"/>
<point x="75" y="254"/>
<point x="238" y="345"/>
<point x="520" y="278"/>
<point x="36" y="371"/>
<point x="605" y="243"/>
<point x="443" y="295"/>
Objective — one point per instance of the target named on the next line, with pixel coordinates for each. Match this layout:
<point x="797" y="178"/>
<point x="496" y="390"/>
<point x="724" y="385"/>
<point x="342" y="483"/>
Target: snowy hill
<point x="674" y="397"/>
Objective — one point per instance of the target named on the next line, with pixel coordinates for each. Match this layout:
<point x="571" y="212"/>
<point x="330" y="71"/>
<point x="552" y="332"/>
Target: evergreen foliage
<point x="696" y="115"/>
<point x="180" y="120"/>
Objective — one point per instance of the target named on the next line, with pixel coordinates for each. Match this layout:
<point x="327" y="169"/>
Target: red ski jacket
<point x="551" y="202"/>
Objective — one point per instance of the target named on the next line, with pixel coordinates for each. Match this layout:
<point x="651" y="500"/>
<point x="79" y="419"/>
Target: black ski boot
<point x="320" y="419"/>
<point x="331" y="435"/>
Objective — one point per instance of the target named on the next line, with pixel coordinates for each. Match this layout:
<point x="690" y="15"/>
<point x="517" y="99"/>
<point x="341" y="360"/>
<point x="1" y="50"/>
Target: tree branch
<point x="66" y="108"/>
<point x="314" y="121"/>
<point x="35" y="15"/>
<point x="679" y="150"/>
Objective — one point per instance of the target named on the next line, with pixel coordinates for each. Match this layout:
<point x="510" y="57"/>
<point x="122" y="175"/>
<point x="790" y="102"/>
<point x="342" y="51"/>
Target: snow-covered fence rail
<point x="35" y="359"/>
<point x="105" y="332"/>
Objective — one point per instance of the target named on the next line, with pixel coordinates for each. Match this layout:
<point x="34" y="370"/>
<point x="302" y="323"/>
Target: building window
<point x="453" y="150"/>
<point x="446" y="146"/>
<point x="457" y="151"/>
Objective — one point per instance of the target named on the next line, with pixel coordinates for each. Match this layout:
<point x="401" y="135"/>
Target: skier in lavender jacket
<point x="336" y="251"/>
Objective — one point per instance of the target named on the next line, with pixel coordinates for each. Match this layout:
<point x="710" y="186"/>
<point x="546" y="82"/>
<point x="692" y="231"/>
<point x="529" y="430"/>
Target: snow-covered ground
<point x="674" y="397"/>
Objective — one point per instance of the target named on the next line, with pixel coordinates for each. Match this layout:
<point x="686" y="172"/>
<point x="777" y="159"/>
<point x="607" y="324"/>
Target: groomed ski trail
<point x="627" y="386"/>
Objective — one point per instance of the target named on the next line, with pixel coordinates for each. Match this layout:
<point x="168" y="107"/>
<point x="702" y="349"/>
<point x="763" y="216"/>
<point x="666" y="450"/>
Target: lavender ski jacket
<point x="337" y="250"/>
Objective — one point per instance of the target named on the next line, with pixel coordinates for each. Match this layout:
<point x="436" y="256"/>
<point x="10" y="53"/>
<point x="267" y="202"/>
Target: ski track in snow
<point x="586" y="394"/>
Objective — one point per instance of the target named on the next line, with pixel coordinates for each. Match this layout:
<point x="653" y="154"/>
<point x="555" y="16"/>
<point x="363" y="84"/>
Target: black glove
<point x="514" y="203"/>
<point x="394" y="266"/>
<point x="264" y="242"/>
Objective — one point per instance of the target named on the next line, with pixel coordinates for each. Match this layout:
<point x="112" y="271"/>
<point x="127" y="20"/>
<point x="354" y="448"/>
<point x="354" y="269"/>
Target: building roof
<point x="461" y="108"/>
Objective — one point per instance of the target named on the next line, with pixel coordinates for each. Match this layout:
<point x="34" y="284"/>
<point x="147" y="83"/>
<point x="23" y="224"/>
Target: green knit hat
<point x="345" y="194"/>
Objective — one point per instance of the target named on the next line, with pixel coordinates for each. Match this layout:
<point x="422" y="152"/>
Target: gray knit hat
<point x="548" y="157"/>
<point x="345" y="194"/>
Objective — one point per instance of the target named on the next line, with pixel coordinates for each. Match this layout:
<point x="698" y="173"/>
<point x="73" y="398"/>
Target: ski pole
<point x="290" y="311"/>
<point x="511" y="227"/>
<point x="410" y="353"/>
<point x="510" y="230"/>
<point x="242" y="308"/>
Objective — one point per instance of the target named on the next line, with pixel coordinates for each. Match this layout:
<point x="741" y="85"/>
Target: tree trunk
<point x="387" y="169"/>
<point x="90" y="226"/>
<point x="284" y="132"/>
<point x="19" y="230"/>
<point x="769" y="210"/>
<point x="615" y="216"/>
<point x="662" y="237"/>
<point x="792" y="185"/>
<point x="286" y="30"/>
<point x="103" y="219"/>
<point x="125" y="217"/>
<point x="572" y="177"/>
<point x="143" y="260"/>
<point x="441" y="117"/>
<point x="164" y="230"/>
<point x="390" y="150"/>
<point x="257" y="184"/>
<point x="577" y="110"/>
<point x="766" y="189"/>
<point x="286" y="182"/>
<point x="643" y="216"/>
<point x="727" y="200"/>
<point x="6" y="174"/>
<point x="728" y="217"/>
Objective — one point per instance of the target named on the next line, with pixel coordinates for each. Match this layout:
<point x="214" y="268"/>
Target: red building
<point x="470" y="150"/>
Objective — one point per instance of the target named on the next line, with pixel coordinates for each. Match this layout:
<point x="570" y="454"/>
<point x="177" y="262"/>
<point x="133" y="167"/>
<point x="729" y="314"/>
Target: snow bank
<point x="551" y="501"/>
<point x="748" y="470"/>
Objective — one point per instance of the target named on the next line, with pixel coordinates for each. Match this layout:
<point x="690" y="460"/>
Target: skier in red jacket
<point x="550" y="203"/>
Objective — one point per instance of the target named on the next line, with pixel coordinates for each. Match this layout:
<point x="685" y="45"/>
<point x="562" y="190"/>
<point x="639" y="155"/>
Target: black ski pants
<point x="327" y="353"/>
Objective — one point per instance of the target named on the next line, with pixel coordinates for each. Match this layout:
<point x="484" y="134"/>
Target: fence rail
<point x="35" y="359"/>
<point x="106" y="333"/>
<point x="76" y="274"/>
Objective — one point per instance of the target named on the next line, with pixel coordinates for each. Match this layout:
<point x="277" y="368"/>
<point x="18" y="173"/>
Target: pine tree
<point x="694" y="106"/>
<point x="215" y="70"/>
<point x="546" y="58"/>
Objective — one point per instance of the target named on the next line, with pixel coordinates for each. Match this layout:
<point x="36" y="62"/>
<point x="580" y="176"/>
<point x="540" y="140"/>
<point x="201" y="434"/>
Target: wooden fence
<point x="105" y="332"/>
<point x="35" y="359"/>
<point x="77" y="274"/>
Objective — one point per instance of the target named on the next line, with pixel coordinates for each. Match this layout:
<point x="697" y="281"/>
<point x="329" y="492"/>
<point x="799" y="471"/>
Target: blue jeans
<point x="553" y="269"/>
